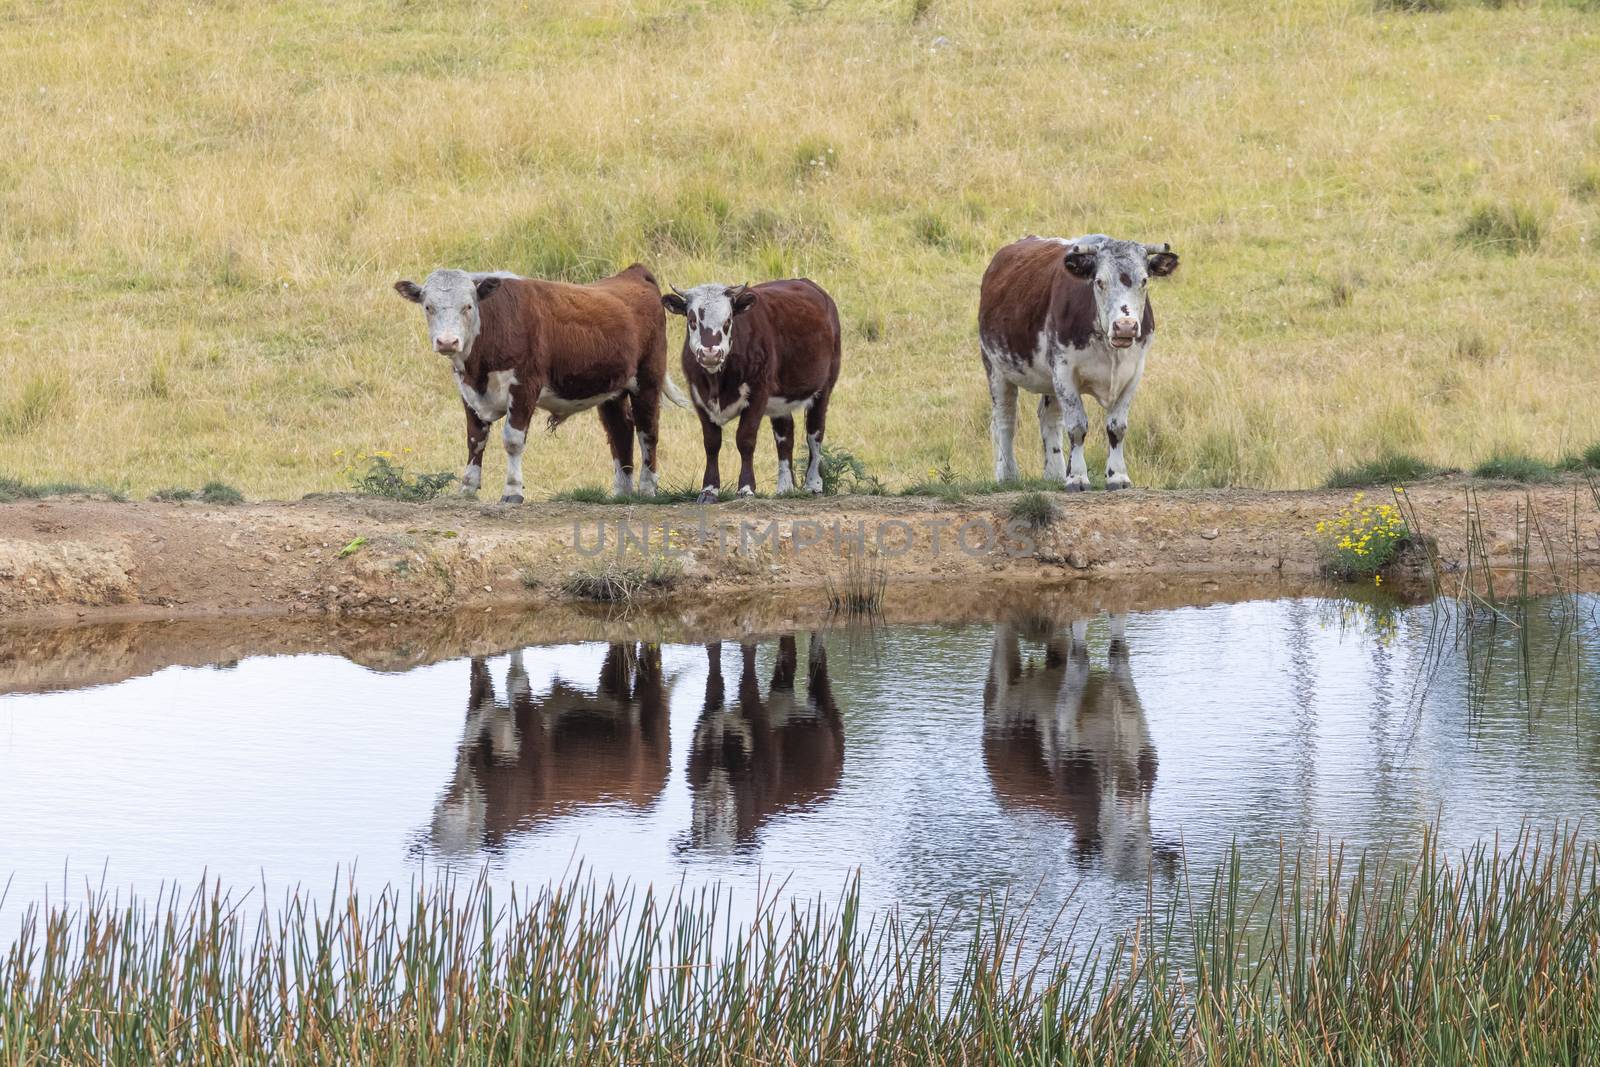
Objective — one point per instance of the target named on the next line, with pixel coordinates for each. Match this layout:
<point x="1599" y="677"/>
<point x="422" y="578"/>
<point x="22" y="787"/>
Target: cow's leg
<point x="1117" y="430"/>
<point x="1003" y="425"/>
<point x="711" y="484"/>
<point x="646" y="416"/>
<point x="477" y="438"/>
<point x="1119" y="638"/>
<point x="1055" y="462"/>
<point x="816" y="428"/>
<point x="516" y="439"/>
<point x="1077" y="420"/>
<point x="745" y="437"/>
<point x="783" y="671"/>
<point x="783" y="438"/>
<point x="619" y="432"/>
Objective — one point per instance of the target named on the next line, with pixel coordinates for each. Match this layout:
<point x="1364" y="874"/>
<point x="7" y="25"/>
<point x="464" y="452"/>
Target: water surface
<point x="1077" y="754"/>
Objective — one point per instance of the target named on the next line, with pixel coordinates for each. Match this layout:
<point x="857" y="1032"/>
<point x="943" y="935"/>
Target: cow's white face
<point x="1120" y="273"/>
<point x="710" y="309"/>
<point x="450" y="299"/>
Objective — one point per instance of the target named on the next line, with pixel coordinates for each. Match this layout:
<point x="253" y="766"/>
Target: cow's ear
<point x="743" y="299"/>
<point x="487" y="287"/>
<point x="1162" y="262"/>
<point x="1080" y="262"/>
<point x="675" y="303"/>
<point x="410" y="290"/>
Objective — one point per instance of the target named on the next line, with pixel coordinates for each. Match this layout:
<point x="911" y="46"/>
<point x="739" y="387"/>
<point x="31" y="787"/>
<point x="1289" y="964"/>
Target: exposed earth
<point x="75" y="559"/>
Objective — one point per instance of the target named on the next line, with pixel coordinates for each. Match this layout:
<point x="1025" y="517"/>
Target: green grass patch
<point x="1509" y="228"/>
<point x="11" y="489"/>
<point x="954" y="489"/>
<point x="1587" y="460"/>
<point x="1507" y="467"/>
<point x="383" y="477"/>
<point x="1392" y="469"/>
<point x="622" y="581"/>
<point x="1034" y="508"/>
<point x="43" y="396"/>
<point x="665" y="494"/>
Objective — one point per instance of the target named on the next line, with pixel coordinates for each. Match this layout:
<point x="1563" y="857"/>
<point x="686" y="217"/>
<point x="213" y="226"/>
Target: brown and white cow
<point x="1070" y="739"/>
<point x="1063" y="318"/>
<point x="527" y="756"/>
<point x="763" y="756"/>
<point x="753" y="352"/>
<point x="518" y="344"/>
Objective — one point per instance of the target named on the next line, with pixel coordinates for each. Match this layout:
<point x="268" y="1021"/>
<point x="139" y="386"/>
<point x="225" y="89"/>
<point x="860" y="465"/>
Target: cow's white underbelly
<point x="779" y="406"/>
<point x="556" y="404"/>
<point x="1099" y="370"/>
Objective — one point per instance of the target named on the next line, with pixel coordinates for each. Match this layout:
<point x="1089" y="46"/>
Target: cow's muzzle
<point x="447" y="346"/>
<point x="711" y="362"/>
<point x="1124" y="332"/>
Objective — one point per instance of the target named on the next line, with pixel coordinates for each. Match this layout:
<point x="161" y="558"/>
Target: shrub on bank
<point x="1361" y="540"/>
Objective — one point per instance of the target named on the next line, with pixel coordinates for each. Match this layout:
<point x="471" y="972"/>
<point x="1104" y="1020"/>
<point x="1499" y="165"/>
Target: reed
<point x="859" y="593"/>
<point x="1486" y="957"/>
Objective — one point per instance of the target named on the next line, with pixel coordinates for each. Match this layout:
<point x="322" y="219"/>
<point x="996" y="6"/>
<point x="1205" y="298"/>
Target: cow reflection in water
<point x="1069" y="738"/>
<point x="528" y="757"/>
<point x="759" y="757"/>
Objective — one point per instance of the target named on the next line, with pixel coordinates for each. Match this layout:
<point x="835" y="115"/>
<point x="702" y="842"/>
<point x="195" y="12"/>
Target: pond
<point x="1047" y="748"/>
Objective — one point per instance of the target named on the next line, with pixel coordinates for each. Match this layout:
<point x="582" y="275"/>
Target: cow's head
<point x="451" y="298"/>
<point x="710" y="309"/>
<point x="1119" y="272"/>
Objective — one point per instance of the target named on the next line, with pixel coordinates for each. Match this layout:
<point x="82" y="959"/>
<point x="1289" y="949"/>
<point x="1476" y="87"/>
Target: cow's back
<point x="800" y="321"/>
<point x="637" y="288"/>
<point x="616" y="318"/>
<point x="1014" y="302"/>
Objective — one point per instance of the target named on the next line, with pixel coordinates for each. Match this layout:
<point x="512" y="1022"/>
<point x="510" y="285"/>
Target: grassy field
<point x="1485" y="958"/>
<point x="1389" y="219"/>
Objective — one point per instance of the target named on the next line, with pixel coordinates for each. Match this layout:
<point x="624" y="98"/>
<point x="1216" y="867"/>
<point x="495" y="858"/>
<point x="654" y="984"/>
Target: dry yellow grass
<point x="202" y="208"/>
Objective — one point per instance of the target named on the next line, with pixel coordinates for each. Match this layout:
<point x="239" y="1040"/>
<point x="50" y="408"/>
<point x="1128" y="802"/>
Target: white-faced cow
<point x="1063" y="318"/>
<point x="753" y="352"/>
<point x="517" y="344"/>
<point x="756" y="758"/>
<point x="1070" y="739"/>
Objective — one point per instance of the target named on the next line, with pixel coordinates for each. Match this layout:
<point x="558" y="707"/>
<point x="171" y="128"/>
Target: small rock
<point x="1209" y="535"/>
<point x="1077" y="561"/>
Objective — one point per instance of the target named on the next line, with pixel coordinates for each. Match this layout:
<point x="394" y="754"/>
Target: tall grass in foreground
<point x="1488" y="957"/>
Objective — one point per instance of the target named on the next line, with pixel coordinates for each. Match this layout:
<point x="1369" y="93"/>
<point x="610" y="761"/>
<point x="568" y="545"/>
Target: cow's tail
<point x="674" y="394"/>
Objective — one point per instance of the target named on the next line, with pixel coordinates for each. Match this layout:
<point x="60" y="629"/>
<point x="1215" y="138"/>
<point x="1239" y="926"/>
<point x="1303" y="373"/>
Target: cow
<point x="750" y="352"/>
<point x="761" y="757"/>
<point x="1063" y="318"/>
<point x="1070" y="739"/>
<point x="518" y="344"/>
<point x="528" y="756"/>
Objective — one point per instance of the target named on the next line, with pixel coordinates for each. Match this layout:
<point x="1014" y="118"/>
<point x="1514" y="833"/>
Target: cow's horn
<point x="1151" y="250"/>
<point x="680" y="292"/>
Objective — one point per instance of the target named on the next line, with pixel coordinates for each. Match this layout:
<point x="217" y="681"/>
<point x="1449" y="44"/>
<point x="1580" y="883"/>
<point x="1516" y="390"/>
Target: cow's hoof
<point x="1119" y="483"/>
<point x="709" y="495"/>
<point x="746" y="490"/>
<point x="814" y="490"/>
<point x="1076" y="485"/>
<point x="511" y="498"/>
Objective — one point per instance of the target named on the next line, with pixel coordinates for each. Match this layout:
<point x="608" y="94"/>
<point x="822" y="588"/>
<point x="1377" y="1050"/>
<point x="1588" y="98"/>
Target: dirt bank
<point x="79" y="559"/>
